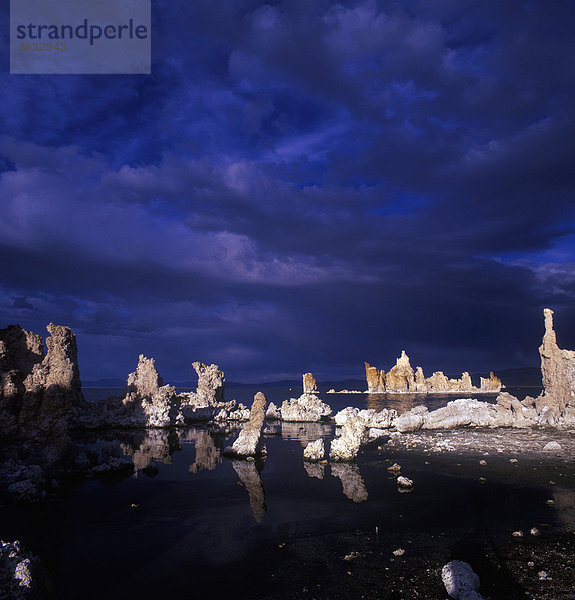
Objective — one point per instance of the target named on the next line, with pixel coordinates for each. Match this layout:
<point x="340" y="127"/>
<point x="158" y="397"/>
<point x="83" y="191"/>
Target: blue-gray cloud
<point x="301" y="186"/>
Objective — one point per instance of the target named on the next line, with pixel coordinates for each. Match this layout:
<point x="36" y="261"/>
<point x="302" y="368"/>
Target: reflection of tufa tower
<point x="250" y="477"/>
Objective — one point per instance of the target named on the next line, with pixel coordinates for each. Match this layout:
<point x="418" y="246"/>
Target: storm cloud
<point x="301" y="186"/>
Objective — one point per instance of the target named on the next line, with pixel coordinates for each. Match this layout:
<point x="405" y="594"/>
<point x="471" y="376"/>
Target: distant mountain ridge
<point x="519" y="377"/>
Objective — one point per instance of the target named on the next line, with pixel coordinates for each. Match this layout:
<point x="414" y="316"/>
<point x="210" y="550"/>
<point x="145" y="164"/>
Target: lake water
<point x="191" y="523"/>
<point x="277" y="394"/>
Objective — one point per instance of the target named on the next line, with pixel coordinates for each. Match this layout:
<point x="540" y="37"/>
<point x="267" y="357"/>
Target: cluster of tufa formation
<point x="39" y="392"/>
<point x="41" y="398"/>
<point x="149" y="403"/>
<point x="555" y="406"/>
<point x="307" y="408"/>
<point x="402" y="378"/>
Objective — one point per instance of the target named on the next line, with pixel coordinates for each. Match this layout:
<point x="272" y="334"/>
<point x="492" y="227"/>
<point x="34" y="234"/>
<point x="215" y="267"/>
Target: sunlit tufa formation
<point x="248" y="442"/>
<point x="309" y="384"/>
<point x="558" y="374"/>
<point x="147" y="394"/>
<point x="401" y="378"/>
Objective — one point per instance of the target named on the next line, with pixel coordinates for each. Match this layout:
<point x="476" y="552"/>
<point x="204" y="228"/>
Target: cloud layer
<point x="301" y="186"/>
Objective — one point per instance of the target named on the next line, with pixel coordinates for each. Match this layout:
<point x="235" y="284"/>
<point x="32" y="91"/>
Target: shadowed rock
<point x="460" y="581"/>
<point x="248" y="442"/>
<point x="38" y="392"/>
<point x="21" y="574"/>
<point x="63" y="385"/>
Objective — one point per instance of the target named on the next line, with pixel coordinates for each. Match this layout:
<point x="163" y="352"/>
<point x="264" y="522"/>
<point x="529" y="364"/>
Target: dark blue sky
<point x="301" y="186"/>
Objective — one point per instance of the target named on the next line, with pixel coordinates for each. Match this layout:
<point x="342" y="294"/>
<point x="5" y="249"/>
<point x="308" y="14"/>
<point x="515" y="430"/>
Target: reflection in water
<point x="404" y="402"/>
<point x="208" y="456"/>
<point x="305" y="432"/>
<point x="353" y="485"/>
<point x="314" y="469"/>
<point x="157" y="444"/>
<point x="250" y="477"/>
<point x="400" y="402"/>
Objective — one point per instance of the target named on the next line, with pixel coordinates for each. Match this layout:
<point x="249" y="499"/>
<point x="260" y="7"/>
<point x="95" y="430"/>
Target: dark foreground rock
<point x="39" y="391"/>
<point x="461" y="581"/>
<point x="21" y="574"/>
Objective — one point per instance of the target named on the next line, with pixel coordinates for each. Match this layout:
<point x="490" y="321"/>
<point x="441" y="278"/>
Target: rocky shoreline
<point x="42" y="410"/>
<point x="41" y="403"/>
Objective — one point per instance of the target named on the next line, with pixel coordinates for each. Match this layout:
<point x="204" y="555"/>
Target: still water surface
<point x="191" y="523"/>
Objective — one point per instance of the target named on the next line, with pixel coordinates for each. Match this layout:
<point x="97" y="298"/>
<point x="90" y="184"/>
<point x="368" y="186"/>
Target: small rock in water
<point x="512" y="460"/>
<point x="482" y="462"/>
<point x="404" y="482"/>
<point x="518" y="533"/>
<point x="482" y="480"/>
<point x="551" y="502"/>
<point x="534" y="531"/>
<point x="352" y="556"/>
<point x="395" y="468"/>
<point x="552" y="447"/>
<point x="399" y="552"/>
